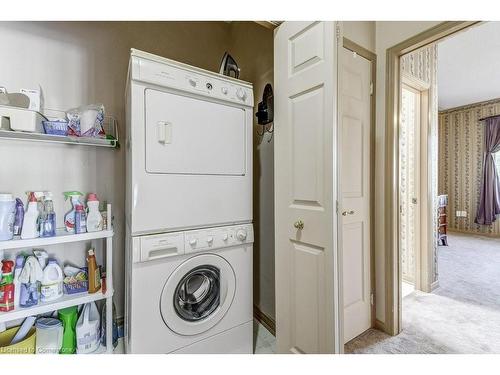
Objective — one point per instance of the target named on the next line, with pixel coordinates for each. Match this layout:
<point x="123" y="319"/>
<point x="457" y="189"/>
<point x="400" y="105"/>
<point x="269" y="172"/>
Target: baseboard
<point x="379" y="325"/>
<point x="435" y="285"/>
<point x="265" y="320"/>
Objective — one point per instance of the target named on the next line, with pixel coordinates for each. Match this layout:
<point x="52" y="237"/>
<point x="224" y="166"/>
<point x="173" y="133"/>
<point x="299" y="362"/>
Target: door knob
<point x="299" y="224"/>
<point x="345" y="213"/>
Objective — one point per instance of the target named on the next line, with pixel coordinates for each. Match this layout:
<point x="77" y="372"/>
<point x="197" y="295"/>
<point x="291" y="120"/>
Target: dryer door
<point x="198" y="294"/>
<point x="186" y="135"/>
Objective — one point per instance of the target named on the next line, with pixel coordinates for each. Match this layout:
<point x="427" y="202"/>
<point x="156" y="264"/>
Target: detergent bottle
<point x="52" y="282"/>
<point x="94" y="217"/>
<point x="69" y="218"/>
<point x="31" y="219"/>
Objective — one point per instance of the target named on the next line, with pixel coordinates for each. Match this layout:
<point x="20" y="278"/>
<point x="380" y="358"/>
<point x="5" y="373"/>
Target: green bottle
<point x="68" y="316"/>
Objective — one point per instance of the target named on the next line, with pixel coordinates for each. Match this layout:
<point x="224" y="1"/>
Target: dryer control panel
<point x="166" y="245"/>
<point x="179" y="76"/>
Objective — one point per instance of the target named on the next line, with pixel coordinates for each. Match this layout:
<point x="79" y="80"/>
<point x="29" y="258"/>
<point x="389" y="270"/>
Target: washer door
<point x="197" y="294"/>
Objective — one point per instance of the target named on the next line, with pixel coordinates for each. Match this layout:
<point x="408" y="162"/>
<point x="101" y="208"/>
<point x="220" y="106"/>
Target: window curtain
<point x="489" y="200"/>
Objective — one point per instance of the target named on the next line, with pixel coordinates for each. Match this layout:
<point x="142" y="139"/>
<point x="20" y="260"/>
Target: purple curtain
<point x="489" y="200"/>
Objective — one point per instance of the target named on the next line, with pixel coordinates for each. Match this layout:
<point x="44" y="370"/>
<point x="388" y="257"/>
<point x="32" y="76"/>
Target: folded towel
<point x="31" y="271"/>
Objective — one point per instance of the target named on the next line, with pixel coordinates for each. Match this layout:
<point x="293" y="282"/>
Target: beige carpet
<point x="461" y="316"/>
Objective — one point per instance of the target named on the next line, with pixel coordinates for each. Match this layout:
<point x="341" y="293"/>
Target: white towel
<point x="31" y="271"/>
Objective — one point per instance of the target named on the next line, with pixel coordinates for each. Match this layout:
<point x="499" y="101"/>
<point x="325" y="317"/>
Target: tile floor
<point x="263" y="341"/>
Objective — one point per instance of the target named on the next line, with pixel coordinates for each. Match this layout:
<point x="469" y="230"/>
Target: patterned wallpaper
<point x="421" y="64"/>
<point x="461" y="162"/>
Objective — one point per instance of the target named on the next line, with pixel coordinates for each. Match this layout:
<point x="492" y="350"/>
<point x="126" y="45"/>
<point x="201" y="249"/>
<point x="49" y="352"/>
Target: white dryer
<point x="189" y="147"/>
<point x="188" y="209"/>
<point x="191" y="292"/>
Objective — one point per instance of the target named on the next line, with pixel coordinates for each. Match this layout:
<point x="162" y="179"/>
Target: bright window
<point x="496" y="157"/>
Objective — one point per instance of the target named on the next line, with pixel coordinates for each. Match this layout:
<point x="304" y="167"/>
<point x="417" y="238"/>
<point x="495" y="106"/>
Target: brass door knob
<point x="299" y="224"/>
<point x="345" y="213"/>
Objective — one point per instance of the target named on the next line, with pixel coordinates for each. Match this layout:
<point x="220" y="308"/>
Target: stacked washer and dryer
<point x="188" y="209"/>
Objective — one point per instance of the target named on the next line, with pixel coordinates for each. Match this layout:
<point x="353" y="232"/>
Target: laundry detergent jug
<point x="87" y="329"/>
<point x="52" y="282"/>
<point x="7" y="215"/>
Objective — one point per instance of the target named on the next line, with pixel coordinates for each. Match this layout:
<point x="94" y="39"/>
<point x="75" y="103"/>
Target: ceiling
<point x="469" y="66"/>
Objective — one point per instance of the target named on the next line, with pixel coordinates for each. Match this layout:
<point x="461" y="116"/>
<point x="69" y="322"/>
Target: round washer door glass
<point x="197" y="294"/>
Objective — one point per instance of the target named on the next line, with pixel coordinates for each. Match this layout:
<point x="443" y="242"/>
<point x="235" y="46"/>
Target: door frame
<point x="391" y="202"/>
<point x="423" y="254"/>
<point x="372" y="58"/>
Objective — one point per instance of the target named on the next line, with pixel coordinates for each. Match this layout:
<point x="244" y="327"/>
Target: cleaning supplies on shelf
<point x="86" y="121"/>
<point x="68" y="317"/>
<point x="19" y="217"/>
<point x="17" y="284"/>
<point x="94" y="274"/>
<point x="31" y="217"/>
<point x="49" y="336"/>
<point x="69" y="218"/>
<point x="48" y="222"/>
<point x="76" y="280"/>
<point x="42" y="257"/>
<point x="80" y="219"/>
<point x="87" y="329"/>
<point x="94" y="217"/>
<point x="52" y="282"/>
<point x="30" y="278"/>
<point x="7" y="286"/>
<point x="7" y="216"/>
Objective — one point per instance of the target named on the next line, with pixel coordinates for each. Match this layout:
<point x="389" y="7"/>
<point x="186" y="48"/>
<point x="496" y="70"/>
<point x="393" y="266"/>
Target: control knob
<point x="193" y="242"/>
<point x="241" y="94"/>
<point x="210" y="241"/>
<point x="241" y="235"/>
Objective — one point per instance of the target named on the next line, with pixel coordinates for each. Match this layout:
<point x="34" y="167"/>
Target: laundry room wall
<point x="252" y="48"/>
<point x="79" y="63"/>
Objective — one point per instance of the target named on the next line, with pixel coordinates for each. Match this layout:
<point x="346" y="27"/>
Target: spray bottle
<point x="7" y="286"/>
<point x="48" y="222"/>
<point x="69" y="218"/>
<point x="30" y="227"/>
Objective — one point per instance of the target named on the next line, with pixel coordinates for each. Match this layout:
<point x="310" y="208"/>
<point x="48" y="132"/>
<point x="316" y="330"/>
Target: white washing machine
<point x="188" y="209"/>
<point x="191" y="292"/>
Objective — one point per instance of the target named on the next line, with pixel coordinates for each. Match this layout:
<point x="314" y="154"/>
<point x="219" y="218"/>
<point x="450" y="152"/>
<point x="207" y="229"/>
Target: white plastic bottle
<point x="52" y="282"/>
<point x="94" y="217"/>
<point x="30" y="221"/>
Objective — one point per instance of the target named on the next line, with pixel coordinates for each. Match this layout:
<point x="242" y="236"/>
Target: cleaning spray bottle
<point x="31" y="219"/>
<point x="7" y="286"/>
<point x="48" y="222"/>
<point x="69" y="218"/>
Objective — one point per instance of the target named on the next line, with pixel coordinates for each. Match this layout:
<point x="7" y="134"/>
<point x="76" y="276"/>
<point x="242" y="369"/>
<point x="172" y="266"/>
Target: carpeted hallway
<point x="461" y="316"/>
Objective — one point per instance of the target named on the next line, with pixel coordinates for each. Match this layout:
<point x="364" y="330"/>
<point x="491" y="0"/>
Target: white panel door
<point x="354" y="108"/>
<point x="305" y="98"/>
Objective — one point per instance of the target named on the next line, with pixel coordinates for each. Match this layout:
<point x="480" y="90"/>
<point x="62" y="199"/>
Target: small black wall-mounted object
<point x="265" y="112"/>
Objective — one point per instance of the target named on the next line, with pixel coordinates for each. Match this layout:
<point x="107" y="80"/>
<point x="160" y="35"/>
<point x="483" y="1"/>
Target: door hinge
<point x="371" y="88"/>
<point x="337" y="207"/>
<point x="337" y="31"/>
<point x="372" y="299"/>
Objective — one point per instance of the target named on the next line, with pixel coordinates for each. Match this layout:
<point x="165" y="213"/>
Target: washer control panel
<point x="207" y="84"/>
<point x="167" y="245"/>
<point x="214" y="238"/>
